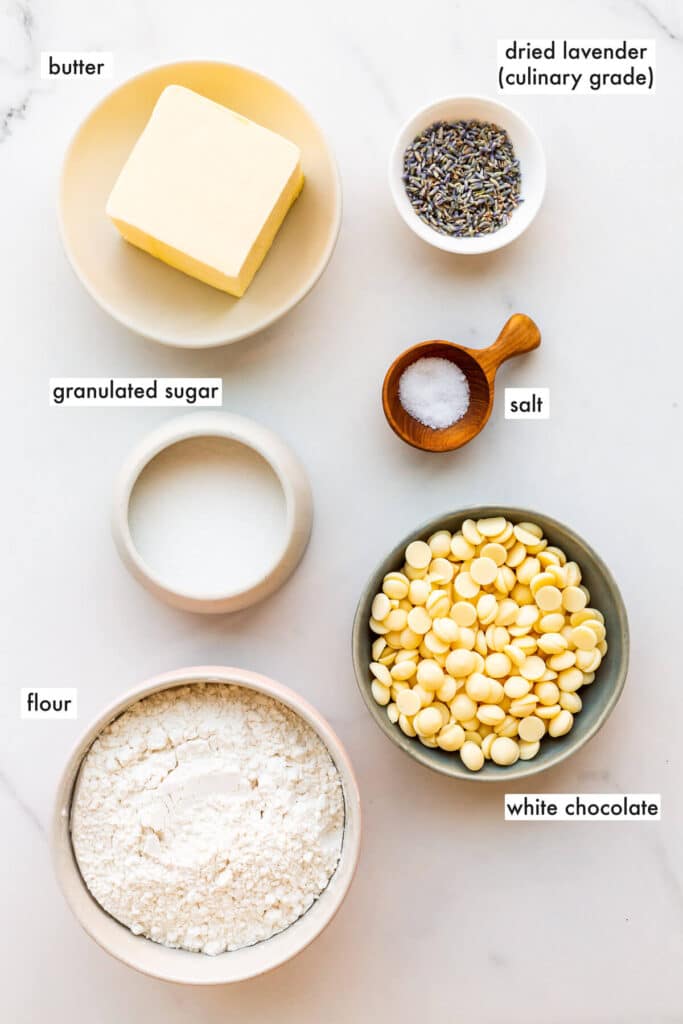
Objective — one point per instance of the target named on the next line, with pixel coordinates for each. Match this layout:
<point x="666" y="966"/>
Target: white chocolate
<point x="490" y="714"/>
<point x="418" y="554"/>
<point x="465" y="585"/>
<point x="419" y="591"/>
<point x="471" y="533"/>
<point x="548" y="711"/>
<point x="561" y="724"/>
<point x="482" y="639"/>
<point x="380" y="672"/>
<point x="532" y="729"/>
<point x="486" y="745"/>
<point x="427" y="721"/>
<point x="405" y="724"/>
<point x="483" y="571"/>
<point x="461" y="549"/>
<point x="498" y="666"/>
<point x="408" y="702"/>
<point x="395" y="585"/>
<point x="463" y="708"/>
<point x="381" y="694"/>
<point x="419" y="621"/>
<point x="548" y="598"/>
<point x="516" y="687"/>
<point x="463" y="613"/>
<point x="533" y="668"/>
<point x="495" y="551"/>
<point x="504" y="751"/>
<point x="403" y="671"/>
<point x="583" y="637"/>
<point x="523" y="706"/>
<point x="396" y="620"/>
<point x="446" y="630"/>
<point x="571" y="702"/>
<point x="472" y="756"/>
<point x="548" y="693"/>
<point x="381" y="607"/>
<point x="430" y="674"/>
<point x="378" y="646"/>
<point x="478" y="687"/>
<point x="460" y="663"/>
<point x="527" y="751"/>
<point x="451" y="737"/>
<point x="440" y="544"/>
<point x="447" y="690"/>
<point x="491" y="527"/>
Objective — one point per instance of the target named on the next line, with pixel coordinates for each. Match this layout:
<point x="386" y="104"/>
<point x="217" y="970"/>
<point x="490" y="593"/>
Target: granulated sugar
<point x="207" y="817"/>
<point x="434" y="391"/>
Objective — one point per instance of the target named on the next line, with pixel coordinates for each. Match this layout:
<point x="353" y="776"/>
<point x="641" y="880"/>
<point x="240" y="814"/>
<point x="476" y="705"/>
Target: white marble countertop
<point x="454" y="915"/>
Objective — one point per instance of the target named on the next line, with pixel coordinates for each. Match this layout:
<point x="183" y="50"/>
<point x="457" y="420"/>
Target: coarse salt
<point x="434" y="391"/>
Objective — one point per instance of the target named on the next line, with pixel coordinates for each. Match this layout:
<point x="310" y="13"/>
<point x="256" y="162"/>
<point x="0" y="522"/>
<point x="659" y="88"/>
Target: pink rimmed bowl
<point x="179" y="965"/>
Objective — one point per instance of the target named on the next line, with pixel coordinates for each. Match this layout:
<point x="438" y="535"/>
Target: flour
<point x="207" y="817"/>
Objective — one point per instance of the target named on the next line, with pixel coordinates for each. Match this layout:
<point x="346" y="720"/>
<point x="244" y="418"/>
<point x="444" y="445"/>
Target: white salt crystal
<point x="434" y="391"/>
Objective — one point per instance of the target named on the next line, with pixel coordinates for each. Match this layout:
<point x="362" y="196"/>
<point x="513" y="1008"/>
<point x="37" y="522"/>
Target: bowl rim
<point x="284" y="464"/>
<point x="209" y="340"/>
<point x="521" y="769"/>
<point x="463" y="246"/>
<point x="75" y="890"/>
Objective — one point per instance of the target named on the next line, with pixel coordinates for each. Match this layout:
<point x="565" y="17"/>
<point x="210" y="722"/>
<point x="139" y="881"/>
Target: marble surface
<point x="454" y="914"/>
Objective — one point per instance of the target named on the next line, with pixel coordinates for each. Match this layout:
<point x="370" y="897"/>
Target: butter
<point x="205" y="189"/>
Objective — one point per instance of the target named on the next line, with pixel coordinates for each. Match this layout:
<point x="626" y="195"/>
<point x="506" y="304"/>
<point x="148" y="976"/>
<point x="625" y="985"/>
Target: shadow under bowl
<point x="599" y="698"/>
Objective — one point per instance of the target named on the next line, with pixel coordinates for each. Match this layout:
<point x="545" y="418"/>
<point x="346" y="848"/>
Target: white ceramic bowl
<point x="527" y="148"/>
<point x="179" y="965"/>
<point x="185" y="587"/>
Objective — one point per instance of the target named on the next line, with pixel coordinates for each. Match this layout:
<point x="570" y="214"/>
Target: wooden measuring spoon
<point x="520" y="334"/>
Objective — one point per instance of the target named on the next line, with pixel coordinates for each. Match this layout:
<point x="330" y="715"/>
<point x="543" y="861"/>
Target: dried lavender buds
<point x="462" y="177"/>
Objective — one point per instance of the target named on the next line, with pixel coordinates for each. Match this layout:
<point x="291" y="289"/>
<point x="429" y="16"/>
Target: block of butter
<point x="205" y="189"/>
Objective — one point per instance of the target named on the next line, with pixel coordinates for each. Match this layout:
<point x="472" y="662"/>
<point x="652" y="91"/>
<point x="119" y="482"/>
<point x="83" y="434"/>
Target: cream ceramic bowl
<point x="143" y="293"/>
<point x="527" y="148"/>
<point x="192" y="517"/>
<point x="180" y="965"/>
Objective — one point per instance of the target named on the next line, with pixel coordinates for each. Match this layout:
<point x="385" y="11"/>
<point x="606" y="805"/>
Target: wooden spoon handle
<point x="520" y="334"/>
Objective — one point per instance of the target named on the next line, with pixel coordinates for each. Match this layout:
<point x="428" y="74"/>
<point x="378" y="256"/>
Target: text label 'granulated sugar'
<point x="133" y="391"/>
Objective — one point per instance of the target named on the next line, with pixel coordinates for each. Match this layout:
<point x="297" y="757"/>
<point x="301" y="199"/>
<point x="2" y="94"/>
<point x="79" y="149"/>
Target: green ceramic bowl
<point x="598" y="699"/>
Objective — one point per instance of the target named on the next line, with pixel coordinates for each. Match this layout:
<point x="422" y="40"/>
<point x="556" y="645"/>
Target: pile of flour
<point x="207" y="817"/>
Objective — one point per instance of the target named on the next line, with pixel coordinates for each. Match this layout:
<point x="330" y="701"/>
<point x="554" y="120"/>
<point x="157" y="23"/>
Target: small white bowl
<point x="527" y="148"/>
<point x="218" y="523"/>
<point x="180" y="965"/>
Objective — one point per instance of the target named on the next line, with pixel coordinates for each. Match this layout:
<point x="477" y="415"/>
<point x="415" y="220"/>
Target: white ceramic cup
<point x="180" y="965"/>
<point x="298" y="511"/>
<point x="527" y="148"/>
